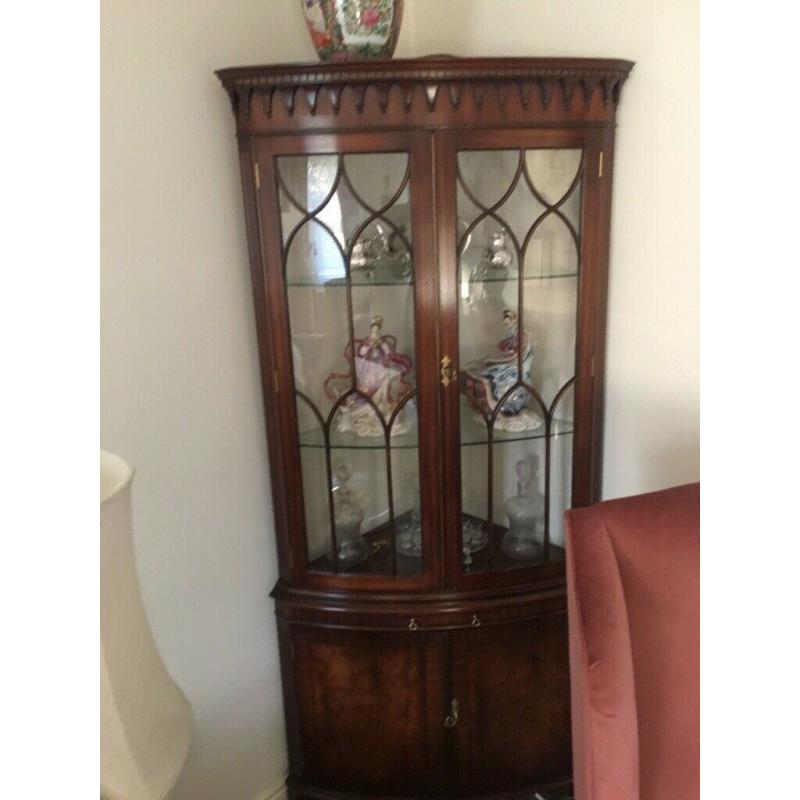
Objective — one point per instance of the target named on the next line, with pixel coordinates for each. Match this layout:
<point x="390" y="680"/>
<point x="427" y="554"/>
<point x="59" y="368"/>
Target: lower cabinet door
<point x="512" y="686"/>
<point x="370" y="708"/>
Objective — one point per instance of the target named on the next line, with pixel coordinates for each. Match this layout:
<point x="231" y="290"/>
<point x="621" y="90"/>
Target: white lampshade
<point x="145" y="720"/>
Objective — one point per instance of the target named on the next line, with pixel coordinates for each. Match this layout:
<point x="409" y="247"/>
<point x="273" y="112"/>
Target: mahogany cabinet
<point x="429" y="252"/>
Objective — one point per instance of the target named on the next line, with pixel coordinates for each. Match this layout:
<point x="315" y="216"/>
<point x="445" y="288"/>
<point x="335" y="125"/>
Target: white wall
<point x="653" y="380"/>
<point x="180" y="388"/>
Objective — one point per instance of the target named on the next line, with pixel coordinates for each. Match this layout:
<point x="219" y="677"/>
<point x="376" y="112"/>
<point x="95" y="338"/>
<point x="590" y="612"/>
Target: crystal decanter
<point x="522" y="540"/>
<point x="348" y="508"/>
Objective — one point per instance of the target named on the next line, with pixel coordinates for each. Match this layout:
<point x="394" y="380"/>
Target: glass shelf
<point x="384" y="274"/>
<point x="473" y="431"/>
<point x="351" y="441"/>
<point x="514" y="276"/>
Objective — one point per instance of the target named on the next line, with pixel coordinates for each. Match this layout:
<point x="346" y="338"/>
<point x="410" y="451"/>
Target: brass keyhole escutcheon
<point x="476" y="621"/>
<point x="448" y="372"/>
<point x="412" y="625"/>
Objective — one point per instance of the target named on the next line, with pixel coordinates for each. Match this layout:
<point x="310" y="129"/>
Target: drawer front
<point x="443" y="615"/>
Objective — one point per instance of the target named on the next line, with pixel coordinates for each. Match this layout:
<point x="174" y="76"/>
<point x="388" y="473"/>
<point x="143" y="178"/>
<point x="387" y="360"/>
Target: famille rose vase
<point x="352" y="30"/>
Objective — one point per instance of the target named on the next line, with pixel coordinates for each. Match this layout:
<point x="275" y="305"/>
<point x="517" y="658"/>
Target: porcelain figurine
<point x="522" y="540"/>
<point x="348" y="514"/>
<point x="394" y="245"/>
<point x="486" y="380"/>
<point x="353" y="30"/>
<point x="383" y="255"/>
<point x="499" y="254"/>
<point x="364" y="256"/>
<point x="380" y="373"/>
<point x="496" y="259"/>
<point x="473" y="538"/>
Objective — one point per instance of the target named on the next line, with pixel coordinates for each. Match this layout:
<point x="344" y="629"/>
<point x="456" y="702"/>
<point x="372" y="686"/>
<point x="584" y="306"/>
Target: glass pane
<point x="552" y="172"/>
<point x="320" y="331"/>
<point x="316" y="500"/>
<point x="517" y="335"/>
<point x="307" y="181"/>
<point x="376" y="178"/>
<point x="313" y="256"/>
<point x="349" y="273"/>
<point x="407" y="499"/>
<point x="488" y="175"/>
<point x="474" y="507"/>
<point x="561" y="470"/>
<point x="551" y="308"/>
<point x="552" y="249"/>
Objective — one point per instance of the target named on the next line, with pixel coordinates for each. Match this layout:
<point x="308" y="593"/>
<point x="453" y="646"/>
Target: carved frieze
<point x="375" y="87"/>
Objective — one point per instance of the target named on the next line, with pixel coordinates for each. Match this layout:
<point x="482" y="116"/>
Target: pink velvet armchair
<point x="633" y="591"/>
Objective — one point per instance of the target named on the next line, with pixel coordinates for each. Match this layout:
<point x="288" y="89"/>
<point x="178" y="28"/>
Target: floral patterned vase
<point x="352" y="30"/>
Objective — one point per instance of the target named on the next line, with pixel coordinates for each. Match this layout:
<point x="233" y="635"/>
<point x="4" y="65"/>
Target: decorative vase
<point x="353" y="30"/>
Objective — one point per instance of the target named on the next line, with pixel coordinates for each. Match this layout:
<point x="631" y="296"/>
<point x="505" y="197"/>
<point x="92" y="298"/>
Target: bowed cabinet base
<point x="560" y="791"/>
<point x="478" y="711"/>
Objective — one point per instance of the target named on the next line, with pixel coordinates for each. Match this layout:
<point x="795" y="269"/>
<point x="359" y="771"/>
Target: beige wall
<point x="652" y="393"/>
<point x="180" y="390"/>
<point x="180" y="387"/>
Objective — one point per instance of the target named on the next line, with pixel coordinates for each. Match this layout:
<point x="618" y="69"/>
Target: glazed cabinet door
<point x="517" y="242"/>
<point x="370" y="710"/>
<point x="511" y="683"/>
<point x="350" y="284"/>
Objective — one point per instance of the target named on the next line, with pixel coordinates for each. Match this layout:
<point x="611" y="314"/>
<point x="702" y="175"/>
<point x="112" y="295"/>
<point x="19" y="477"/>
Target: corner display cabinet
<point x="429" y="244"/>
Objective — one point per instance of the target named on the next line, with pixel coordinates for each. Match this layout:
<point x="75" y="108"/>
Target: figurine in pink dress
<point x="380" y="373"/>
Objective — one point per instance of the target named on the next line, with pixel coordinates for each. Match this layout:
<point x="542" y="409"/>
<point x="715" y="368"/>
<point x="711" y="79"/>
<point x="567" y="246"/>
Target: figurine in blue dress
<point x="486" y="380"/>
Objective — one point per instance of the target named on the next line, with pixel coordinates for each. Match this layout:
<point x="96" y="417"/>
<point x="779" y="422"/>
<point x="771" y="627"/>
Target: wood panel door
<point x="370" y="710"/>
<point x="512" y="687"/>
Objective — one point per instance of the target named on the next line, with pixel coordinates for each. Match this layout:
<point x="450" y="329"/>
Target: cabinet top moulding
<point x="429" y="92"/>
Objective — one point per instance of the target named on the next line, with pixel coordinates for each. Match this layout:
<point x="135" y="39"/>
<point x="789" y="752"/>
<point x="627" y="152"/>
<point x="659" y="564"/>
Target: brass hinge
<point x="276" y="384"/>
<point x="257" y="176"/>
<point x="592" y="366"/>
<point x="600" y="166"/>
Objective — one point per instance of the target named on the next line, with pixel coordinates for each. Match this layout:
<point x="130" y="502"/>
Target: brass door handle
<point x="451" y="719"/>
<point x="448" y="372"/>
